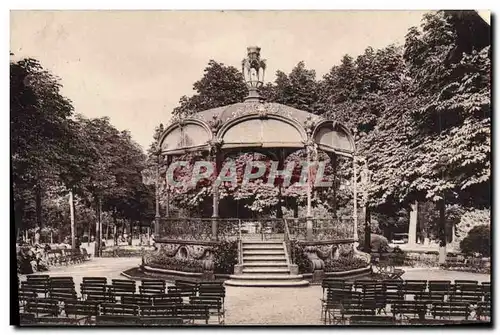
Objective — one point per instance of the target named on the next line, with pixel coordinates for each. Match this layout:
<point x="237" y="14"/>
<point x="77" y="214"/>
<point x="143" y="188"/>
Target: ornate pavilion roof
<point x="255" y="124"/>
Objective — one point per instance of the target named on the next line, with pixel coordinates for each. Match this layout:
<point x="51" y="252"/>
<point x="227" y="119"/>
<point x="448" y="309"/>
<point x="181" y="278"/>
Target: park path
<point x="252" y="305"/>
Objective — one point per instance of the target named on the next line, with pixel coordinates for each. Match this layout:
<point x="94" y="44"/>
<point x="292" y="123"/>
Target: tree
<point x="40" y="125"/>
<point x="220" y="85"/>
<point x="298" y="89"/>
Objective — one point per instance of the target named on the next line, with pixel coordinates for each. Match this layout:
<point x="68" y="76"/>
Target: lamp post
<point x="365" y="183"/>
<point x="442" y="213"/>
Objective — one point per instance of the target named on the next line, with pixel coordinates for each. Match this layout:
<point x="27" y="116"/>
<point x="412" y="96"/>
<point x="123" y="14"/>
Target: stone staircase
<point x="265" y="264"/>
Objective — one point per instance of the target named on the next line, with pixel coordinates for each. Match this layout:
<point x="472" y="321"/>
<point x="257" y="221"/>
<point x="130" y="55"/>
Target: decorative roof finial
<point x="253" y="69"/>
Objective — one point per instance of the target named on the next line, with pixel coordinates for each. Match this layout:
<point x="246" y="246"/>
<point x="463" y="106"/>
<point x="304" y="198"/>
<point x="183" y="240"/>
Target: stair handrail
<point x="288" y="245"/>
<point x="240" y="244"/>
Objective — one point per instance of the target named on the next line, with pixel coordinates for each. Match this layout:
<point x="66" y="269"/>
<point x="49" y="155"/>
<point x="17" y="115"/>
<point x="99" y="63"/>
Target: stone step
<point x="263" y="247"/>
<point x="266" y="283"/>
<point x="264" y="258"/>
<point x="263" y="252"/>
<point x="270" y="263"/>
<point x="266" y="276"/>
<point x="266" y="270"/>
<point x="262" y="242"/>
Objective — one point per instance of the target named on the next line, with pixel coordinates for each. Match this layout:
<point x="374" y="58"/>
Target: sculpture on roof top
<point x="253" y="69"/>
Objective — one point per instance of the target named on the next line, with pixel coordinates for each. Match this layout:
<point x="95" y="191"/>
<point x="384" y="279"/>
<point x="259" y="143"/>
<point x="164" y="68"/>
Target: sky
<point x="133" y="66"/>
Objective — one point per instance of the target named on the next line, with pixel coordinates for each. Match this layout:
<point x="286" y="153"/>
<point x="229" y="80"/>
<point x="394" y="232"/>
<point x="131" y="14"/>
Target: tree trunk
<point x="115" y="233"/>
<point x="38" y="205"/>
<point x="442" y="233"/>
<point x="412" y="227"/>
<point x="368" y="229"/>
<point x="97" y="246"/>
<point x="72" y="219"/>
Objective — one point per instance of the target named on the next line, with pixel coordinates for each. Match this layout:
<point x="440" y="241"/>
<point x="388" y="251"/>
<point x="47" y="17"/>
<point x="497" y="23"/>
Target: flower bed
<point x="226" y="257"/>
<point x="162" y="261"/>
<point x="344" y="264"/>
<point x="125" y="251"/>
<point x="299" y="257"/>
<point x="430" y="259"/>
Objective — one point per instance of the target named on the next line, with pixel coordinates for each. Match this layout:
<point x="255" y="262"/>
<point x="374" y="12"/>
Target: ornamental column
<point x="167" y="191"/>
<point x="157" y="196"/>
<point x="311" y="152"/>
<point x="355" y="200"/>
<point x="216" y="157"/>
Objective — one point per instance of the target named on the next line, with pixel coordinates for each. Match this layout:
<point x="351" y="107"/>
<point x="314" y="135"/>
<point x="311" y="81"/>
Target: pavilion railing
<point x="201" y="229"/>
<point x="196" y="229"/>
<point x="332" y="229"/>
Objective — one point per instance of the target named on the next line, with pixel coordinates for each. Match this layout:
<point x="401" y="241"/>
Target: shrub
<point x="378" y="243"/>
<point x="471" y="219"/>
<point x="124" y="251"/>
<point x="299" y="257"/>
<point x="344" y="264"/>
<point x="162" y="261"/>
<point x="477" y="241"/>
<point x="225" y="257"/>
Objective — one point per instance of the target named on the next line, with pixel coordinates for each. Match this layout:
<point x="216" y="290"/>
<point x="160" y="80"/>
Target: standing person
<point x="78" y="243"/>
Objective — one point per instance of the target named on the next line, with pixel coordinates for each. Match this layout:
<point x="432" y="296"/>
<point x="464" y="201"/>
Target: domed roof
<point x="229" y="112"/>
<point x="255" y="124"/>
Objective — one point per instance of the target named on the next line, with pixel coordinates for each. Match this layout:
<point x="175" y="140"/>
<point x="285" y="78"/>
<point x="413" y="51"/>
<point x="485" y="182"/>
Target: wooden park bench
<point x="187" y="284"/>
<point x="53" y="257"/>
<point x="449" y="310"/>
<point x="119" y="309"/>
<point x="63" y="294"/>
<point x="330" y="283"/>
<point x="39" y="284"/>
<point x="440" y="286"/>
<point x="93" y="289"/>
<point x="81" y="310"/>
<point x="42" y="307"/>
<point x="393" y="290"/>
<point x="160" y="321"/>
<point x="26" y="319"/>
<point x="386" y="270"/>
<point x="55" y="321"/>
<point x="100" y="297"/>
<point x="95" y="280"/>
<point x="213" y="291"/>
<point x="167" y="299"/>
<point x="412" y="287"/>
<point x="183" y="291"/>
<point x="117" y="320"/>
<point x="192" y="313"/>
<point x="215" y="305"/>
<point x="483" y="311"/>
<point x="371" y="320"/>
<point x="121" y="286"/>
<point x="24" y="295"/>
<point x="430" y="297"/>
<point x="405" y="309"/>
<point x="331" y="303"/>
<point x="136" y="299"/>
<point x="357" y="307"/>
<point x="152" y="286"/>
<point x="470" y="297"/>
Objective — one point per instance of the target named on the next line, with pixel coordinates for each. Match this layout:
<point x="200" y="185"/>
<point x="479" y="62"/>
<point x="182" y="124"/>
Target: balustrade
<point x="200" y="229"/>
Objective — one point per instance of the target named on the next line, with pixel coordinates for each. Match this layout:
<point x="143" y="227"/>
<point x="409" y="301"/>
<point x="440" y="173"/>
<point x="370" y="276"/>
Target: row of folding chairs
<point x="341" y="301"/>
<point x="76" y="311"/>
<point x="411" y="287"/>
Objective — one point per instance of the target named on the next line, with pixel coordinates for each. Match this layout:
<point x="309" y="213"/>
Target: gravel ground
<point x="255" y="306"/>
